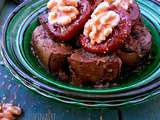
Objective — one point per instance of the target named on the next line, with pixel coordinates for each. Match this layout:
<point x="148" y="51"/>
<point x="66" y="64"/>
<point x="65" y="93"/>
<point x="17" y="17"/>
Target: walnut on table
<point x="9" y="112"/>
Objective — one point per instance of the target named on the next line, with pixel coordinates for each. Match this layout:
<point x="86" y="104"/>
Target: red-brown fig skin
<point x="114" y="40"/>
<point x="66" y="33"/>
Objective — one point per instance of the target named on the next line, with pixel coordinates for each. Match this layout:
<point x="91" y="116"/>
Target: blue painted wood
<point x="37" y="107"/>
<point x="146" y="111"/>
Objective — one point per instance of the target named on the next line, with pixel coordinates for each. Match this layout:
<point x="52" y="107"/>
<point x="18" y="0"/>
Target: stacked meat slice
<point x="137" y="45"/>
<point x="80" y="66"/>
<point x="51" y="54"/>
<point x="87" y="67"/>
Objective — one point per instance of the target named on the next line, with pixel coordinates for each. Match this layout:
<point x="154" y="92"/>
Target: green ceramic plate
<point x="16" y="49"/>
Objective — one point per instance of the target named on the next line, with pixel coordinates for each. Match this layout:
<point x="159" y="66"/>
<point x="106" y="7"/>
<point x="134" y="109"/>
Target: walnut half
<point x="9" y="112"/>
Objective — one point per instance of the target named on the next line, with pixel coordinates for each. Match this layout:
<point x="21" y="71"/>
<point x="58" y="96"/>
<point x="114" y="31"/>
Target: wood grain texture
<point x="146" y="111"/>
<point x="37" y="107"/>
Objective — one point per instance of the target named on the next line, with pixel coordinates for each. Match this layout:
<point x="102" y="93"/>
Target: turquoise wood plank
<point x="37" y="107"/>
<point x="149" y="110"/>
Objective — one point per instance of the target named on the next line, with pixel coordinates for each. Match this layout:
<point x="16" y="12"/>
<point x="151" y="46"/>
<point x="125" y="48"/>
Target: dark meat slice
<point x="134" y="12"/>
<point x="141" y="40"/>
<point x="137" y="45"/>
<point x="114" y="40"/>
<point x="52" y="55"/>
<point x="65" y="33"/>
<point x="91" y="68"/>
<point x="42" y="45"/>
<point x="58" y="61"/>
<point x="128" y="58"/>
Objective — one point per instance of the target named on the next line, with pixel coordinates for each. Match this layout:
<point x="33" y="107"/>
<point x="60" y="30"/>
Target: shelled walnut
<point x="9" y="112"/>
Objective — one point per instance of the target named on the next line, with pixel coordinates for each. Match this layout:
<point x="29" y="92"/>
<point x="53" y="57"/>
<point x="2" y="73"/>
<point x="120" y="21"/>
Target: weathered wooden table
<point x="37" y="107"/>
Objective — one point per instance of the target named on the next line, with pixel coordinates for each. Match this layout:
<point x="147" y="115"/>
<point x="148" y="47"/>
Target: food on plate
<point x="66" y="18"/>
<point x="9" y="112"/>
<point x="90" y="42"/>
<point x="137" y="45"/>
<point x="51" y="54"/>
<point x="97" y="37"/>
<point x="107" y="19"/>
<point x="87" y="67"/>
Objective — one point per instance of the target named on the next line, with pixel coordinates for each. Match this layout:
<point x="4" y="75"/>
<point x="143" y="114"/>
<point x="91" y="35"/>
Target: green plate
<point x="16" y="49"/>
